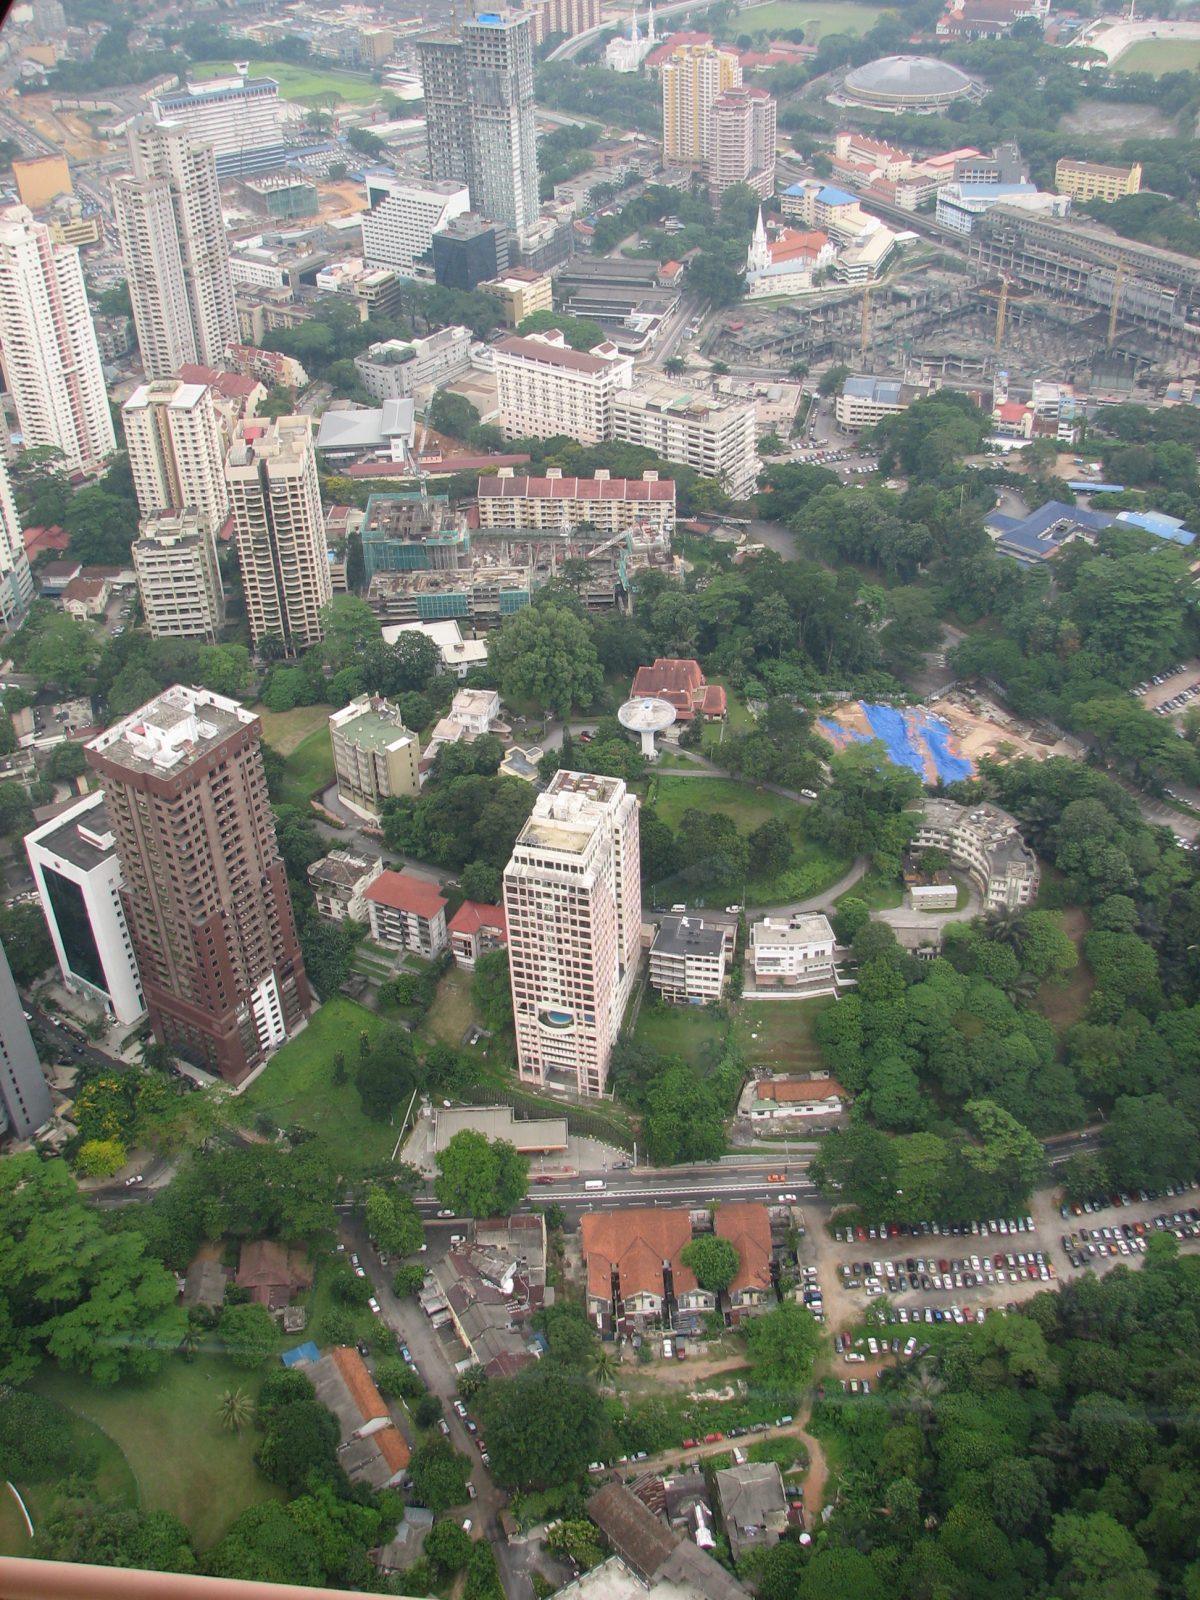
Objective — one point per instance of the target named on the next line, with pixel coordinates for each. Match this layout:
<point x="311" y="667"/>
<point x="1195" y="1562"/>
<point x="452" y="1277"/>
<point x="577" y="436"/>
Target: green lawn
<point x="813" y="868"/>
<point x="784" y="1028"/>
<point x="694" y="1032"/>
<point x="112" y="1480"/>
<point x="284" y="730"/>
<point x="452" y="1012"/>
<point x="816" y="20"/>
<point x="299" y="83"/>
<point x="297" y="1087"/>
<point x="167" y="1429"/>
<point x="880" y="894"/>
<point x="1157" y="56"/>
<point x="309" y="768"/>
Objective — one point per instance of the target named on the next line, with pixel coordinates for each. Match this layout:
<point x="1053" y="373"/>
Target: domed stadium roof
<point x="907" y="78"/>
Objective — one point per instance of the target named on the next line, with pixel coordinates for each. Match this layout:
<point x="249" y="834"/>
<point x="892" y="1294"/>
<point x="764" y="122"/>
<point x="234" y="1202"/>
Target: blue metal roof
<point x="1160" y="525"/>
<point x="837" y="197"/>
<point x="885" y="390"/>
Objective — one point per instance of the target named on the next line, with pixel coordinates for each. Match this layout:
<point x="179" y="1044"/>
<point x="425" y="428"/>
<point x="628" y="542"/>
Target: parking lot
<point x="1171" y="693"/>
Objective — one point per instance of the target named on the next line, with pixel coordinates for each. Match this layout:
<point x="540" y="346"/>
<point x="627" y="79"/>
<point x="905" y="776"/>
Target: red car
<point x="776" y="1177"/>
<point x="543" y="1178"/>
<point x="690" y="1444"/>
<point x="713" y="1438"/>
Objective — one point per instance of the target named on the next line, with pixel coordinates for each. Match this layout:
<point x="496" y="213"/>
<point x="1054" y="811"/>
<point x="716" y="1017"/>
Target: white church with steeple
<point x="627" y="54"/>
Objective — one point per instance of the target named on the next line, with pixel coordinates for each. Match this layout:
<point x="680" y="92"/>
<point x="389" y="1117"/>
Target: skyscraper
<point x="173" y="242"/>
<point x="742" y="142"/>
<point x="16" y="580"/>
<point x="271" y="470"/>
<point x="48" y="342"/>
<point x="238" y="116"/>
<point x="176" y="450"/>
<point x="573" y="902"/>
<point x="480" y="115"/>
<point x="692" y="78"/>
<point x="23" y="1089"/>
<point x="205" y="892"/>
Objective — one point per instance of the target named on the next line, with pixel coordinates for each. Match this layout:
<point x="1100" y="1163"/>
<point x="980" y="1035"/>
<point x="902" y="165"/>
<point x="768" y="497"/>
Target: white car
<point x="374" y="1305"/>
<point x="445" y="1213"/>
<point x="467" y="1524"/>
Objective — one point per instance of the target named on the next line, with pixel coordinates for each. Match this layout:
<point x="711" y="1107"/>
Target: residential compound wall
<point x="572" y="899"/>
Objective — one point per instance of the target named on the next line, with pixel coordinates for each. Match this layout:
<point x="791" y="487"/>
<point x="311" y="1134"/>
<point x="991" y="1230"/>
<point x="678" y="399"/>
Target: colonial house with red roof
<point x="475" y="930"/>
<point x="682" y="683"/>
<point x="408" y="912"/>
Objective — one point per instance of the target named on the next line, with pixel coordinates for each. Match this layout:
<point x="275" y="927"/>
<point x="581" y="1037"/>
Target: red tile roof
<point x="799" y="1091"/>
<point x="575" y="489"/>
<point x="442" y="468"/>
<point x="472" y="915"/>
<point x="360" y="1383"/>
<point x="681" y="683"/>
<point x="748" y="1228"/>
<point x="402" y="892"/>
<point x="552" y="355"/>
<point x="636" y="1243"/>
<point x="232" y="385"/>
<point x="38" y="539"/>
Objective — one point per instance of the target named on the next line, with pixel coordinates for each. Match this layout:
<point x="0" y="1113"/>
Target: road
<point x="570" y="48"/>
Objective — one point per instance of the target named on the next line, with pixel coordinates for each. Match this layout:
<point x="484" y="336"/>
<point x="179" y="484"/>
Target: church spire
<point x="758" y="257"/>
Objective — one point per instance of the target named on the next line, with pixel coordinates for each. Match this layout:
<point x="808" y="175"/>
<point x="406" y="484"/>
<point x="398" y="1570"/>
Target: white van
<point x="594" y="1183"/>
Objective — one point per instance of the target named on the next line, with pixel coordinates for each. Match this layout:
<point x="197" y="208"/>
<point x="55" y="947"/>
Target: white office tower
<point x="238" y="116"/>
<point x="573" y="903"/>
<point x="271" y="471"/>
<point x="405" y="214"/>
<point x="23" y="1089"/>
<point x="178" y="579"/>
<point x="78" y="878"/>
<point x="480" y="129"/>
<point x="176" y="450"/>
<point x="48" y="342"/>
<point x="16" y="580"/>
<point x="173" y="242"/>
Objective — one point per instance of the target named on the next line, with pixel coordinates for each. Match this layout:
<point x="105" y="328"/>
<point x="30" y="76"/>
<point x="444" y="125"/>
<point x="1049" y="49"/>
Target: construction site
<point x="1029" y="296"/>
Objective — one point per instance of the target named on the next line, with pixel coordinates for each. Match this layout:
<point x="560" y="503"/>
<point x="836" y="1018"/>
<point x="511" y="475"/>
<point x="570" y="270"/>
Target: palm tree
<point x="1006" y="927"/>
<point x="189" y="1344"/>
<point x="604" y="1363"/>
<point x="234" y="1410"/>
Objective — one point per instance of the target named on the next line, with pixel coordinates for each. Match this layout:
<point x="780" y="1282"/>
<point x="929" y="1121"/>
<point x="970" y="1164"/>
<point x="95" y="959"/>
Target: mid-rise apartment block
<point x="16" y="580"/>
<point x="610" y="505"/>
<point x="239" y="117"/>
<point x="1092" y="180"/>
<point x="742" y="148"/>
<point x="573" y="904"/>
<point x="407" y="912"/>
<point x="24" y="1094"/>
<point x="375" y="756"/>
<point x="793" y="955"/>
<point x="693" y="78"/>
<point x="339" y="882"/>
<point x="205" y="891"/>
<point x="566" y="17"/>
<point x="398" y="229"/>
<point x="271" y="471"/>
<point x="78" y="879"/>
<point x="716" y="434"/>
<point x="176" y="446"/>
<point x="178" y="578"/>
<point x="51" y="358"/>
<point x="395" y="369"/>
<point x="687" y="961"/>
<point x="545" y="388"/>
<point x="521" y="292"/>
<point x="173" y="244"/>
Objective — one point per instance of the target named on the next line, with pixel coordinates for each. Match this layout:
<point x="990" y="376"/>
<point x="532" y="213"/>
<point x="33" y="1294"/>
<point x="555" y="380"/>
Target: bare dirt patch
<point x="982" y="728"/>
<point x="1117" y="120"/>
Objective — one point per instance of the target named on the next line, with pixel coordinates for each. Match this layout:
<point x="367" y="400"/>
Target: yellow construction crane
<point x="865" y="335"/>
<point x="1001" y="313"/>
<point x="1118" y="280"/>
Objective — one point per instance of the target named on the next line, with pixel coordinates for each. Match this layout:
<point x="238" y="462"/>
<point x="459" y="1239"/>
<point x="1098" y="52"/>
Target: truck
<point x="594" y="1183"/>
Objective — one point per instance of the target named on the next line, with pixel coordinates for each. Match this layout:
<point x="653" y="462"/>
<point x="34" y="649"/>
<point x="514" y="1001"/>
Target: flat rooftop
<point x="172" y="730"/>
<point x="62" y="836"/>
<point x="375" y="730"/>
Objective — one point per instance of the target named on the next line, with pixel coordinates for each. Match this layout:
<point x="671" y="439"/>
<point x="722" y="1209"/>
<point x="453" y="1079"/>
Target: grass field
<point x="113" y="1479"/>
<point x="816" y="20"/>
<point x="297" y="1087"/>
<point x="284" y="730"/>
<point x="451" y="1013"/>
<point x="813" y="868"/>
<point x="302" y="83"/>
<point x="695" y="1033"/>
<point x="784" y="1030"/>
<point x="1157" y="56"/>
<point x="309" y="768"/>
<point x="180" y="1458"/>
<point x="880" y="894"/>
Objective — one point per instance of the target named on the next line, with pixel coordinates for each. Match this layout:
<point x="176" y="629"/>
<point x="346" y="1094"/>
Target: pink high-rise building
<point x="741" y="145"/>
<point x="573" y="901"/>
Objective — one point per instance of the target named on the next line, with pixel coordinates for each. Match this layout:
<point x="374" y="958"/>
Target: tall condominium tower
<point x="173" y="242"/>
<point x="271" y="470"/>
<point x="178" y="578"/>
<point x="692" y="78"/>
<point x="177" y="450"/>
<point x="573" y="901"/>
<point x="480" y="115"/>
<point x="742" y="142"/>
<point x="48" y="342"/>
<point x="204" y="891"/>
<point x="16" y="580"/>
<point x="24" y="1095"/>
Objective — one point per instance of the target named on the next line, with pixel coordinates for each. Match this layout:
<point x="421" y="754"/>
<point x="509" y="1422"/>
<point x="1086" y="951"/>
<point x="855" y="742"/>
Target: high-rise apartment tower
<point x="271" y="470"/>
<point x="692" y="78"/>
<point x="480" y="115"/>
<point x="205" y="891"/>
<point x="178" y="578"/>
<point x="24" y="1095"/>
<point x="173" y="243"/>
<point x="573" y="902"/>
<point x="16" y="580"/>
<point x="176" y="450"/>
<point x="48" y="343"/>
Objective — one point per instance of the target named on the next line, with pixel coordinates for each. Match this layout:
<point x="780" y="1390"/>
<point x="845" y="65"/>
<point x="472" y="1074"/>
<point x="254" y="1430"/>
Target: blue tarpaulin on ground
<point x="912" y="736"/>
<point x="302" y="1352"/>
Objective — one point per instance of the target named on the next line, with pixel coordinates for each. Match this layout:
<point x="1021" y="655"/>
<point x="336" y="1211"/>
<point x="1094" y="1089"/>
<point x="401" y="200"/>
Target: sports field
<point x="816" y="20"/>
<point x="1157" y="56"/>
<point x="300" y="83"/>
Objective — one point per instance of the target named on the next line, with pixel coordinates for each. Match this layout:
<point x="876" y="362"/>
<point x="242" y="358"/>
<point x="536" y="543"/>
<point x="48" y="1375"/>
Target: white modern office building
<point x="78" y="878"/>
<point x="545" y="388"/>
<point x="573" y="903"/>
<point x="176" y="447"/>
<point x="239" y="117"/>
<point x="405" y="214"/>
<point x="172" y="234"/>
<point x="51" y="358"/>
